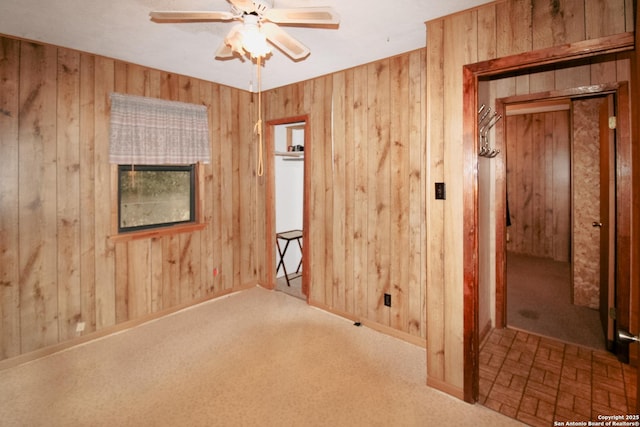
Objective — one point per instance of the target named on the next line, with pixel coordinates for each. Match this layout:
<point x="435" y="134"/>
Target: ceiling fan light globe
<point x="255" y="42"/>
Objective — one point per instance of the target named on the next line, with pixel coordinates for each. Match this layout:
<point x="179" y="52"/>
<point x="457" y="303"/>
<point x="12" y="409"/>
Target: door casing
<point x="499" y="67"/>
<point x="270" y="202"/>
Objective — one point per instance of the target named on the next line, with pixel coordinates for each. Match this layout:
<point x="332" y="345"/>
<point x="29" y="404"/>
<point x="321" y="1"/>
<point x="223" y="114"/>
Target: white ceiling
<point x="369" y="30"/>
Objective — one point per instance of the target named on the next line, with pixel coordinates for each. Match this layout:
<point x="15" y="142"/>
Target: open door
<point x="606" y="222"/>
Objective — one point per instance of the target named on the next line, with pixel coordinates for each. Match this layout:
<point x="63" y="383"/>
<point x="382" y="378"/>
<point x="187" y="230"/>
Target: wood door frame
<point x="621" y="92"/>
<point x="471" y="74"/>
<point x="270" y="202"/>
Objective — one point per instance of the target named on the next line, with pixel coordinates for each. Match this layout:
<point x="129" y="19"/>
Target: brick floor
<point x="540" y="381"/>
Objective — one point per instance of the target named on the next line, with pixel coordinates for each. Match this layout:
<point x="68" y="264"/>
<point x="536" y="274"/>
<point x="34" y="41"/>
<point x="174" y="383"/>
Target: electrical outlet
<point x="80" y="327"/>
<point x="387" y="300"/>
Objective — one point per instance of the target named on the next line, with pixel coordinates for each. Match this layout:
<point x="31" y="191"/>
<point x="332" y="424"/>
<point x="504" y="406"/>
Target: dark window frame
<point x="193" y="195"/>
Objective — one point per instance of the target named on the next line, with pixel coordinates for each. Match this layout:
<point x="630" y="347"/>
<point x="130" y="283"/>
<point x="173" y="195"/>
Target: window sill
<point x="158" y="232"/>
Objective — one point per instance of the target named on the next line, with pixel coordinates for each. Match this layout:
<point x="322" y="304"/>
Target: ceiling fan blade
<point x="283" y="41"/>
<point x="231" y="45"/>
<point x="175" y="15"/>
<point x="224" y="51"/>
<point x="244" y="5"/>
<point x="303" y="15"/>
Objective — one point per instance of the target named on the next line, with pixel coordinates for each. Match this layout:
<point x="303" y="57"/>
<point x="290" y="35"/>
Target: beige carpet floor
<point x="253" y="358"/>
<point x="293" y="288"/>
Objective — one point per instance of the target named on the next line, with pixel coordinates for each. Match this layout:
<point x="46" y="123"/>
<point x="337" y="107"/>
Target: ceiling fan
<point x="259" y="25"/>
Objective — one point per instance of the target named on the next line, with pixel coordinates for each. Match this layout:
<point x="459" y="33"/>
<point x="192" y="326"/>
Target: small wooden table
<point x="288" y="236"/>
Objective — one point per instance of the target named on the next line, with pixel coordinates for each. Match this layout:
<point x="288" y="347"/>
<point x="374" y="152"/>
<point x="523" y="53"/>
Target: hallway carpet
<point x="253" y="358"/>
<point x="539" y="301"/>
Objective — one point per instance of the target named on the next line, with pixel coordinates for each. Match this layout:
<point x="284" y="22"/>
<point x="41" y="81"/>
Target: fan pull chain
<point x="258" y="127"/>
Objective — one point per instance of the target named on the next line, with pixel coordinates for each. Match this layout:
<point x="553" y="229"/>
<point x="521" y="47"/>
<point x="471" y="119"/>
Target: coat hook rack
<point x="485" y="122"/>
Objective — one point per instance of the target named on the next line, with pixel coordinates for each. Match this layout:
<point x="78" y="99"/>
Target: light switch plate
<point x="440" y="191"/>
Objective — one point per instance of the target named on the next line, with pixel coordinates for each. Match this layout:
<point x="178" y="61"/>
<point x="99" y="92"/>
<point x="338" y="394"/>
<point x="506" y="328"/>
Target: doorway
<point x="287" y="151"/>
<point x="588" y="164"/>
<point x="472" y="75"/>
<point x="554" y="223"/>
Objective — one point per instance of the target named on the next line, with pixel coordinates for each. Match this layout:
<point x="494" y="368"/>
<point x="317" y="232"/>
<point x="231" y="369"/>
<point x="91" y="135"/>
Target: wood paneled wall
<point x="58" y="265"/>
<point x="381" y="135"/>
<point x="539" y="184"/>
<point x="491" y="31"/>
<point x="367" y="198"/>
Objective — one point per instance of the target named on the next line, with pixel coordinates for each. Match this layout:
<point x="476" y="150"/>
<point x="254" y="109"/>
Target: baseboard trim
<point x="484" y="332"/>
<point x="111" y="330"/>
<point x="404" y="336"/>
<point x="445" y="388"/>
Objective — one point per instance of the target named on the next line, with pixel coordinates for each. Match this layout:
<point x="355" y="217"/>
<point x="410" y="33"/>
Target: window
<point x="152" y="196"/>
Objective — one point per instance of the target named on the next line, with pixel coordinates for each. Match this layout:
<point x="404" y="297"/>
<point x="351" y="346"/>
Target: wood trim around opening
<point x="270" y="217"/>
<point x="471" y="74"/>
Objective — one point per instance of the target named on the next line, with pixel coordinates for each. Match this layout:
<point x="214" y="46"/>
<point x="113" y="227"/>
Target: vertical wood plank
<point x="561" y="185"/>
<point x="417" y="189"/>
<point x="171" y="271"/>
<point x="435" y="210"/>
<point x="538" y="184"/>
<point x="157" y="275"/>
<point x="541" y="81"/>
<point x="511" y="136"/>
<point x="327" y="134"/>
<point x="87" y="192"/>
<point x="68" y="188"/>
<point x="120" y="77"/>
<point x="239" y="143"/>
<point x="104" y="248"/>
<point x="226" y="181"/>
<point x="122" y="282"/>
<point x="361" y="191"/>
<point x="340" y="192"/>
<point x="245" y="165"/>
<point x="524" y="174"/>
<point x="487" y="31"/>
<point x="206" y="199"/>
<point x="455" y="169"/>
<point x="548" y="210"/>
<point x="400" y="196"/>
<point x="603" y="70"/>
<point x="136" y="80"/>
<point x="190" y="271"/>
<point x="215" y="200"/>
<point x="317" y="222"/>
<point x="604" y="17"/>
<point x="349" y="188"/>
<point x="514" y="26"/>
<point x="567" y="78"/>
<point x="379" y="215"/>
<point x="9" y="197"/>
<point x="556" y="23"/>
<point x="169" y="86"/>
<point x="139" y="277"/>
<point x="37" y="202"/>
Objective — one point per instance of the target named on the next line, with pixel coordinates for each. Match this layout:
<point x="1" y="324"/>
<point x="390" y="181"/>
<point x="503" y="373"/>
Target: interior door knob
<point x="625" y="336"/>
<point x="596" y="224"/>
